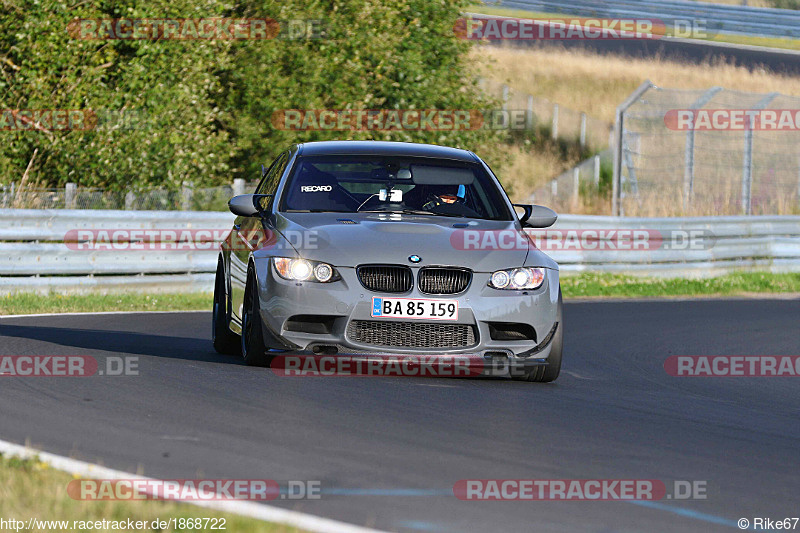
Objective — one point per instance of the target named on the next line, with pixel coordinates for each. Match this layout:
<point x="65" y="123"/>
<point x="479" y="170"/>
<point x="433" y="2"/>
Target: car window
<point x="270" y="181"/>
<point x="349" y="184"/>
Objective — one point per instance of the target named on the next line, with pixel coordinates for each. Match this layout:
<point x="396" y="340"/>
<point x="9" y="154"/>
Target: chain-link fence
<point x="707" y="152"/>
<point x="73" y="197"/>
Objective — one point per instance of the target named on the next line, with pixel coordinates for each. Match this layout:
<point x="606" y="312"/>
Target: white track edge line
<point x="107" y="313"/>
<point x="243" y="508"/>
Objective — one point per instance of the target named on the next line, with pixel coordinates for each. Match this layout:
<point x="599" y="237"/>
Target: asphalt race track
<point x="388" y="450"/>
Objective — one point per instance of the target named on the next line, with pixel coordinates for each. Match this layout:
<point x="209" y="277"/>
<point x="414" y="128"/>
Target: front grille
<point x="386" y="278"/>
<point x="411" y="334"/>
<point x="441" y="280"/>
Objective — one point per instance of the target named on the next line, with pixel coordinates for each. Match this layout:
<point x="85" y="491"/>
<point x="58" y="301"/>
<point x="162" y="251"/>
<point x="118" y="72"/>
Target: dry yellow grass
<point x="596" y="84"/>
<point x="530" y="169"/>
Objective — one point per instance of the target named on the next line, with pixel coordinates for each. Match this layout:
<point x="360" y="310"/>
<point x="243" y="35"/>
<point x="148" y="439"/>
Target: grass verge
<point x="29" y="303"/>
<point x="593" y="285"/>
<point x="31" y="489"/>
<point x="585" y="285"/>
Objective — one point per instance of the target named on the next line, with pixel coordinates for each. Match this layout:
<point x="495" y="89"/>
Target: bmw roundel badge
<point x="414" y="258"/>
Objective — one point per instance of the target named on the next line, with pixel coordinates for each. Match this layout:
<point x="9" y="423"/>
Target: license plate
<point x="415" y="308"/>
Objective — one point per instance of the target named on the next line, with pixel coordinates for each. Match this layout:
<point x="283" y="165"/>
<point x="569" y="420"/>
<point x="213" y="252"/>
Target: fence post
<point x="554" y="188"/>
<point x="186" y="197"/>
<point x="688" y="157"/>
<point x="70" y="192"/>
<point x="238" y="186"/>
<point x="130" y="198"/>
<point x="576" y="183"/>
<point x="582" y="139"/>
<point x="747" y="170"/>
<point x="555" y="121"/>
<point x="529" y="114"/>
<point x="597" y="170"/>
<point x="747" y="163"/>
<point x="505" y="96"/>
<point x="619" y="124"/>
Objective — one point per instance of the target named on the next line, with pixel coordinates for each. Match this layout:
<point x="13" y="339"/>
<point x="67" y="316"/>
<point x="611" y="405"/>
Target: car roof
<point x="385" y="148"/>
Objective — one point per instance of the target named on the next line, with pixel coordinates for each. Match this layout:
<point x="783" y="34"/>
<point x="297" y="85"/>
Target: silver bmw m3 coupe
<point x="387" y="247"/>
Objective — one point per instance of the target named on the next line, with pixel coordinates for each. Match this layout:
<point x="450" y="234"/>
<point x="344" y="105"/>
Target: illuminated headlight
<point x="517" y="278"/>
<point x="304" y="270"/>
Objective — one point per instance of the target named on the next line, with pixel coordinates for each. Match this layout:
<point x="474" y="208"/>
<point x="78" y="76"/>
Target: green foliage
<point x="203" y="108"/>
<point x="786" y="4"/>
<point x="596" y="284"/>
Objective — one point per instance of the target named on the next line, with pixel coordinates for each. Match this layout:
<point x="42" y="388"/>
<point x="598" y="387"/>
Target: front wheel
<point x="225" y="341"/>
<point x="254" y="350"/>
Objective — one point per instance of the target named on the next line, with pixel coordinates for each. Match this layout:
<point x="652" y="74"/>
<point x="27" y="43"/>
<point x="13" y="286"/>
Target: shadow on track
<point x="116" y="342"/>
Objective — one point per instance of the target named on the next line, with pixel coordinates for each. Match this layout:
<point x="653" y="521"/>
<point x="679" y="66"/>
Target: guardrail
<point x="34" y="254"/>
<point x="681" y="247"/>
<point x="743" y="20"/>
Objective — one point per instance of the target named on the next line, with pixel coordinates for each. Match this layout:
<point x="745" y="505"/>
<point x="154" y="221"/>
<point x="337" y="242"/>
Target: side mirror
<point x="537" y="216"/>
<point x="247" y="205"/>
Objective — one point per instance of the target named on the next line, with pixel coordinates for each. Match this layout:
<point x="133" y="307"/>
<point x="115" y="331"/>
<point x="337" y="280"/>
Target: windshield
<point x="351" y="184"/>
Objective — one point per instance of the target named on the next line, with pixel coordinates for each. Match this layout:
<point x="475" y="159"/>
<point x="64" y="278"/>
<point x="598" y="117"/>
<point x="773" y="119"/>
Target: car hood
<point x="351" y="239"/>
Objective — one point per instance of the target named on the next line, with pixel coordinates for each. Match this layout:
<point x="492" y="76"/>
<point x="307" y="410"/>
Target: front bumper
<point x="344" y="301"/>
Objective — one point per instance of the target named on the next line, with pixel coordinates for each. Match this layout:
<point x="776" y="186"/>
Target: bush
<point x="204" y="108"/>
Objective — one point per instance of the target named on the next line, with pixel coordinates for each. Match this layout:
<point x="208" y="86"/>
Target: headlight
<point x="517" y="278"/>
<point x="295" y="269"/>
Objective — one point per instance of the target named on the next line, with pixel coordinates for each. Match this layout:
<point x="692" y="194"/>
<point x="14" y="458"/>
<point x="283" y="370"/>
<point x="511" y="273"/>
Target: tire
<point x="254" y="349"/>
<point x="224" y="340"/>
<point x="550" y="371"/>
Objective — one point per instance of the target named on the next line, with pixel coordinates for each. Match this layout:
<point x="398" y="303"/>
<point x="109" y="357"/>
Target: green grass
<point x="587" y="285"/>
<point x="31" y="489"/>
<point x="771" y="42"/>
<point x="29" y="303"/>
<point x="591" y="285"/>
